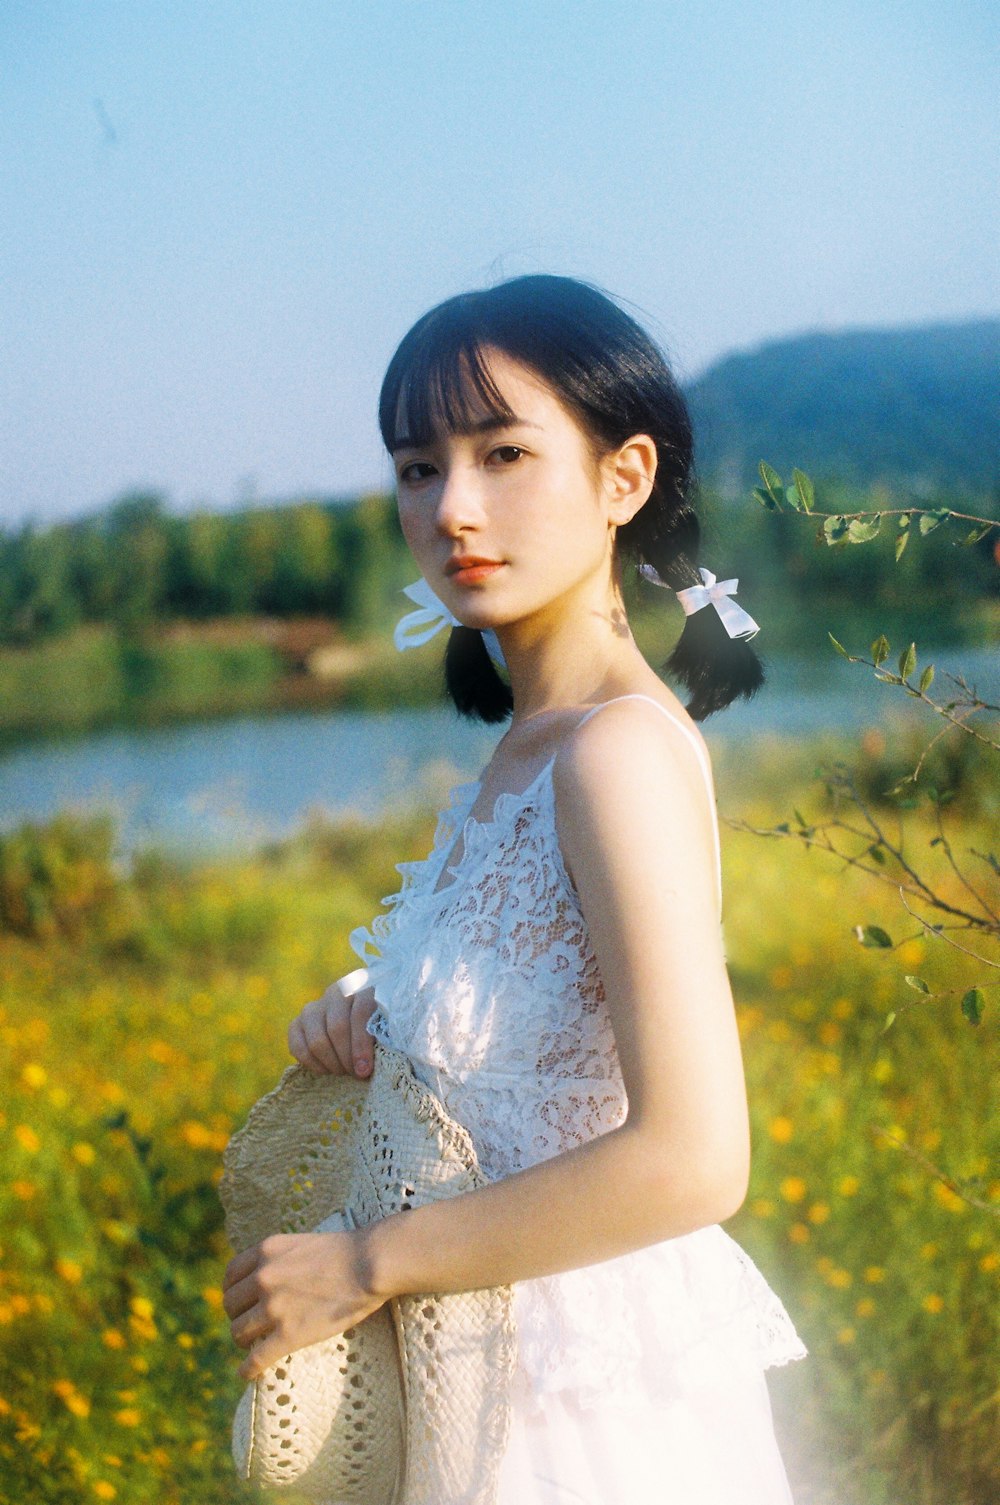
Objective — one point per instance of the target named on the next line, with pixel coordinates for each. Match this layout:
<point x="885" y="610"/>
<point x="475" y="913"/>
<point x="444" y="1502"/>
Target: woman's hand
<point x="330" y="1035"/>
<point x="294" y="1289"/>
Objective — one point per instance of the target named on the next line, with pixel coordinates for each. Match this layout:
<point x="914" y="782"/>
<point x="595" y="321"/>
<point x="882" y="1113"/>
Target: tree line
<point x="135" y="565"/>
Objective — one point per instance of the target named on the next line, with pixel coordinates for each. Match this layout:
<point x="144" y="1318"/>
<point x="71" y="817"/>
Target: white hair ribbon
<point x="718" y="593"/>
<point x="418" y="627"/>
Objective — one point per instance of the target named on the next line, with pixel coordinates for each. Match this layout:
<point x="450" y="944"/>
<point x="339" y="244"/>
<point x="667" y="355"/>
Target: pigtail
<point x="472" y="680"/>
<point x="714" y="667"/>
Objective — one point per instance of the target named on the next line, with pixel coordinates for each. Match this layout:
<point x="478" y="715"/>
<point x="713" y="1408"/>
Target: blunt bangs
<point x="439" y="382"/>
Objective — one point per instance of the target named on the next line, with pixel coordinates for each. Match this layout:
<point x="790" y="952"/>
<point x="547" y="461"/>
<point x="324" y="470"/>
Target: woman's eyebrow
<point x="484" y="426"/>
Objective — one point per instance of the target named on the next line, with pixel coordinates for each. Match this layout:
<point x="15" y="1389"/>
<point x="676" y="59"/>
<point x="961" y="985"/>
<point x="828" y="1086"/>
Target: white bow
<point x="418" y="627"/>
<point x="737" y="622"/>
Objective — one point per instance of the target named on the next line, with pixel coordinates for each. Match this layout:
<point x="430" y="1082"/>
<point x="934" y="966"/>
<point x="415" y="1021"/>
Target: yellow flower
<point x="23" y="1190"/>
<point x="849" y="1186"/>
<point x="27" y="1138"/>
<point x="185" y="1340"/>
<point x="928" y="1251"/>
<point x="865" y="1307"/>
<point x="112" y="1458"/>
<point x="212" y="1296"/>
<point x="840" y="1279"/>
<point x="882" y="1070"/>
<point x="140" y="1364"/>
<point x="830" y="1032"/>
<point x="989" y="1262"/>
<point x="70" y="1271"/>
<point x="33" y="1075"/>
<point x="874" y="1274"/>
<point x="781" y="977"/>
<point x="781" y="1130"/>
<point x="793" y="1188"/>
<point x="71" y="1397"/>
<point x="112" y="1338"/>
<point x="912" y="953"/>
<point x="128" y="1417"/>
<point x="842" y="1008"/>
<point x="763" y="1207"/>
<point x="779" y="1031"/>
<point x="933" y="1303"/>
<point x="947" y="1198"/>
<point x="142" y="1306"/>
<point x="83" y="1153"/>
<point x="58" y="1097"/>
<point x="103" y="1490"/>
<point x="846" y="1335"/>
<point x="44" y="1303"/>
<point x="819" y="1212"/>
<point x="799" y="1233"/>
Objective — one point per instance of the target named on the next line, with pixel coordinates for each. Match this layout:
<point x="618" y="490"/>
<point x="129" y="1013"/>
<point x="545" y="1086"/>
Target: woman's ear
<point x="629" y="474"/>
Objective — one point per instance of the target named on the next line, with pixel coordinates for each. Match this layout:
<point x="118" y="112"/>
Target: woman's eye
<point x="417" y="470"/>
<point x="506" y="454"/>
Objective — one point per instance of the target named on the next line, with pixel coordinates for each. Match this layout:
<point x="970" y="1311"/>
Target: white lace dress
<point x="640" y="1380"/>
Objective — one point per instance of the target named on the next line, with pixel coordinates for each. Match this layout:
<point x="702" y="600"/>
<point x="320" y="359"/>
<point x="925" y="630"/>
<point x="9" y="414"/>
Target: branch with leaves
<point x="865" y="843"/>
<point x="841" y="528"/>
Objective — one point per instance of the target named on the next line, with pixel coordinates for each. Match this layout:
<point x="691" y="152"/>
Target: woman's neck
<point x="583" y="653"/>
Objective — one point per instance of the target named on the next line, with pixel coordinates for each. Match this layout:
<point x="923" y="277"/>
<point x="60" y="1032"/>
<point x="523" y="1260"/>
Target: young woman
<point x="555" y="968"/>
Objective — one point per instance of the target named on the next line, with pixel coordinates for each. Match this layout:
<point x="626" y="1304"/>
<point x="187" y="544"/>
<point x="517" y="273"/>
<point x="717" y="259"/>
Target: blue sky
<point x="218" y="219"/>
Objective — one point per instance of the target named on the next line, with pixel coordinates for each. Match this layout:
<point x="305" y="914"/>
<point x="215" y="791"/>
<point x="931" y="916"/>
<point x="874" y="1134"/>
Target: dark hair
<point x="610" y="375"/>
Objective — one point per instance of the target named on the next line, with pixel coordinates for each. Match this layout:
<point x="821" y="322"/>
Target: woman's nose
<point x="460" y="501"/>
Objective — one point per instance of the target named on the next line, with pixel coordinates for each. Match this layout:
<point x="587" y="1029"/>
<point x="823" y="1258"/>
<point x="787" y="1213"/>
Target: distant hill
<point x="916" y="406"/>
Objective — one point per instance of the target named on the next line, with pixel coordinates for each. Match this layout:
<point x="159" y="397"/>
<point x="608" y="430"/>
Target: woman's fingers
<point x="330" y="1035"/>
<point x="310" y="1043"/>
<point x="362" y="1008"/>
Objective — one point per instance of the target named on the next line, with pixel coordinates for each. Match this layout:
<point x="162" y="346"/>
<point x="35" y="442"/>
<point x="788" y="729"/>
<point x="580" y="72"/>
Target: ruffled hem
<point x="670" y="1319"/>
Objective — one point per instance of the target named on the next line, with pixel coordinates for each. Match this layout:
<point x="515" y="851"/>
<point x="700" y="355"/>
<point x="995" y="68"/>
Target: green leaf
<point x="917" y="983"/>
<point x="792" y="498"/>
<point x="873" y="935"/>
<point x="858" y="531"/>
<point x="901" y="543"/>
<point x="903" y="521"/>
<point x="926" y="679"/>
<point x="880" y="649"/>
<point x="972" y="1005"/>
<point x="805" y="489"/>
<point x="766" y="499"/>
<point x="890" y="1020"/>
<point x="908" y="661"/>
<point x="877" y="854"/>
<point x="834" y="528"/>
<point x="933" y="519"/>
<point x="839" y="646"/>
<point x="770" y="477"/>
<point x="975" y="534"/>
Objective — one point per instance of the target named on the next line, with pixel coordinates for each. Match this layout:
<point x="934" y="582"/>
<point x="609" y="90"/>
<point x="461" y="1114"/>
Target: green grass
<point x="142" y="1013"/>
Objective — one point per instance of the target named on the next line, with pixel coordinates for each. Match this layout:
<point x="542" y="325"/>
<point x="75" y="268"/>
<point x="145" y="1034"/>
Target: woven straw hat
<point x="411" y="1407"/>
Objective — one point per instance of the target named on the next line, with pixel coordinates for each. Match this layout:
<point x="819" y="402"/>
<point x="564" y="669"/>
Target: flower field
<point x="141" y="1013"/>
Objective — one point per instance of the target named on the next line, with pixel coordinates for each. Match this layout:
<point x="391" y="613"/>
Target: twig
<point x="935" y="1170"/>
<point x="938" y="930"/>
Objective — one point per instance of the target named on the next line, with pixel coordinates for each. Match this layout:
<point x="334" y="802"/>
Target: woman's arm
<point x="636" y="834"/>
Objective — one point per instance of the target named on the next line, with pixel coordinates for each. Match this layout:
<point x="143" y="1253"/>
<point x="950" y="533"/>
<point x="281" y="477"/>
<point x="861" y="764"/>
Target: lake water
<point x="230" y="784"/>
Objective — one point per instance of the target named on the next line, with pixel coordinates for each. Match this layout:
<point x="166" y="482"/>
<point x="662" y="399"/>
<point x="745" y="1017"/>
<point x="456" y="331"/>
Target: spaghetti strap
<point x="702" y="762"/>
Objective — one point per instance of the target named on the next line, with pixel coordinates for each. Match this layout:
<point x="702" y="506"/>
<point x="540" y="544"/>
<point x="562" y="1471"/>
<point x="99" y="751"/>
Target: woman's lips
<point x="472" y="571"/>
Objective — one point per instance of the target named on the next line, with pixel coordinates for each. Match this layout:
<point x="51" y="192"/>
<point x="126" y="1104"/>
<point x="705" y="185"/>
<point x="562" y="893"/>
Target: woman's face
<point x="510" y="520"/>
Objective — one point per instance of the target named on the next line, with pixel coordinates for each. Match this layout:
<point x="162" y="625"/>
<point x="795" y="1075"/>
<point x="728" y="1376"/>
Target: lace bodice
<point x="489" y="984"/>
